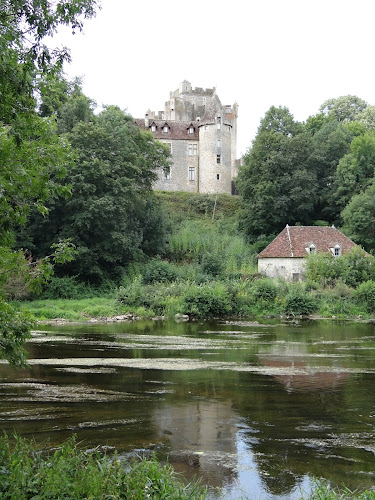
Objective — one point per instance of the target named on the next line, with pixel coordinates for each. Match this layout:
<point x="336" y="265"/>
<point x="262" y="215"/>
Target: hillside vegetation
<point x="208" y="269"/>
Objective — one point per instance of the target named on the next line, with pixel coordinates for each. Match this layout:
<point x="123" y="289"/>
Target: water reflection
<point x="255" y="410"/>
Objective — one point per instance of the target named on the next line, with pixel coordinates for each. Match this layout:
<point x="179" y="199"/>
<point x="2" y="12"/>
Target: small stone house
<point x="285" y="256"/>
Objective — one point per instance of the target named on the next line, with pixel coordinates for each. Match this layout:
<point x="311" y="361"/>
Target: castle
<point x="202" y="137"/>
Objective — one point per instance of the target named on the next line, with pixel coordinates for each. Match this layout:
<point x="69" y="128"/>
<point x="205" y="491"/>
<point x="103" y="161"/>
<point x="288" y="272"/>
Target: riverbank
<point x="30" y="470"/>
<point x="249" y="299"/>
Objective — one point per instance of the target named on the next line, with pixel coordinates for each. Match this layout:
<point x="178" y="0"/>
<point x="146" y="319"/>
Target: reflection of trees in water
<point x="294" y="432"/>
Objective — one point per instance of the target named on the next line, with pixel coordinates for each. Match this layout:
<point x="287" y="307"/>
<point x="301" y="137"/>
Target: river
<point x="256" y="410"/>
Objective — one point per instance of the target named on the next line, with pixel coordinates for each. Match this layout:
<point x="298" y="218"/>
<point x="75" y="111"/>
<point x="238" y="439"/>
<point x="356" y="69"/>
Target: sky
<point x="259" y="53"/>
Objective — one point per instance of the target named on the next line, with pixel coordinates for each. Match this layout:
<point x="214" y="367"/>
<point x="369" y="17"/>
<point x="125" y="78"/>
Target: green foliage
<point x="322" y="490"/>
<point x="277" y="181"/>
<point x="159" y="271"/>
<point x="72" y="473"/>
<point x="212" y="264"/>
<point x="345" y="108"/>
<point x="264" y="289"/>
<point x="33" y="158"/>
<point x="365" y="295"/>
<point x="207" y="300"/>
<point x="352" y="268"/>
<point x="67" y="287"/>
<point x="359" y="216"/>
<point x="300" y="302"/>
<point x="112" y="216"/>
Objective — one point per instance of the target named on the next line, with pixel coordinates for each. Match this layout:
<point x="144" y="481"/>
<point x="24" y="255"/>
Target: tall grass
<point x="70" y="473"/>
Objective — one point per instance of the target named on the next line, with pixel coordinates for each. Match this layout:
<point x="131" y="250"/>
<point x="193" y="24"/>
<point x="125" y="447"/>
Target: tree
<point x="112" y="215"/>
<point x="329" y="144"/>
<point x="277" y="182"/>
<point x="344" y="109"/>
<point x="32" y="157"/>
<point x="359" y="217"/>
<point x="356" y="169"/>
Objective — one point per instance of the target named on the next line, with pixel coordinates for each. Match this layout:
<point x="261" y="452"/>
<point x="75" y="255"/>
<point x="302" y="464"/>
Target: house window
<point x="153" y="128"/>
<point x="218" y="122"/>
<point x="218" y="159"/>
<point x="191" y="173"/>
<point x="337" y="251"/>
<point x="217" y="177"/>
<point x="195" y="149"/>
<point x="167" y="174"/>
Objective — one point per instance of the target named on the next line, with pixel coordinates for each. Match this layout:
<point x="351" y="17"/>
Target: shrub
<point x="159" y="271"/>
<point x="212" y="264"/>
<point x="207" y="301"/>
<point x="365" y="295"/>
<point x="67" y="287"/>
<point x="264" y="289"/>
<point x="298" y="302"/>
<point x="352" y="268"/>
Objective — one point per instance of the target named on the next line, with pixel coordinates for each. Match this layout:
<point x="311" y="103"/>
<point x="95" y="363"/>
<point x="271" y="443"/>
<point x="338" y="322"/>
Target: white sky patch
<point x="258" y="53"/>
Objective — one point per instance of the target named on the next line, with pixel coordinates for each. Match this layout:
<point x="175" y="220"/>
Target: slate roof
<point x="177" y="129"/>
<point x="293" y="241"/>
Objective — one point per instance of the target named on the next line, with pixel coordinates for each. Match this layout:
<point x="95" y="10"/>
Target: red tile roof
<point x="293" y="241"/>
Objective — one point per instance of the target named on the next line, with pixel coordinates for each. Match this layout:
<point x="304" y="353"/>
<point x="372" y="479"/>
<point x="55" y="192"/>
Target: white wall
<point x="282" y="267"/>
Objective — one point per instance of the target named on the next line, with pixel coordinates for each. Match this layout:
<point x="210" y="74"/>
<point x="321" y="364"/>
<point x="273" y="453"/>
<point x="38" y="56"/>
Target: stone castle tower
<point x="202" y="137"/>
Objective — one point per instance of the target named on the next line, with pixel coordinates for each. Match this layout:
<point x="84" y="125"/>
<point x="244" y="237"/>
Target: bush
<point x="159" y="271"/>
<point x="210" y="300"/>
<point x="299" y="302"/>
<point x="352" y="268"/>
<point x="212" y="264"/>
<point x="66" y="288"/>
<point x="264" y="289"/>
<point x="365" y="295"/>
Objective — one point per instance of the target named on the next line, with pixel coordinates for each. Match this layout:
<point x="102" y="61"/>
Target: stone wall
<point x="179" y="173"/>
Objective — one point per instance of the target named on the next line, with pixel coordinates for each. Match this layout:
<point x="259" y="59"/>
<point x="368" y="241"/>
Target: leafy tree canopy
<point x="345" y="108"/>
<point x="112" y="215"/>
<point x="277" y="183"/>
<point x="359" y="216"/>
<point x="32" y="157"/>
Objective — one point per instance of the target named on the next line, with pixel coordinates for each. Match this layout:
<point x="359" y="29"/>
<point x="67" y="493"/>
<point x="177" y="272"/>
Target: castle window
<point x="217" y="177"/>
<point x="169" y="145"/>
<point x="219" y="143"/>
<point x="191" y="173"/>
<point x="191" y="130"/>
<point x="218" y="122"/>
<point x="190" y="150"/>
<point x="195" y="149"/>
<point x="153" y="128"/>
<point x="218" y="159"/>
<point x="167" y="174"/>
<point x="165" y="129"/>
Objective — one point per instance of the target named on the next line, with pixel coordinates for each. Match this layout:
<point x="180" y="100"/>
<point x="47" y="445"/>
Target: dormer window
<point x="218" y="122"/>
<point x="153" y="128"/>
<point x="312" y="248"/>
<point x="337" y="251"/>
<point x="191" y="130"/>
<point x="165" y="129"/>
